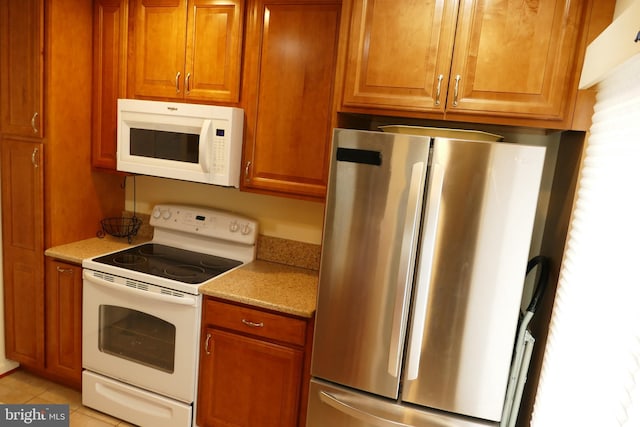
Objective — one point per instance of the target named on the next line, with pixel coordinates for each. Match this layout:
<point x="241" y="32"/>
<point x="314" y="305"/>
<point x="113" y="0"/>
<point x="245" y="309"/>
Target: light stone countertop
<point x="268" y="285"/>
<point x="264" y="284"/>
<point x="75" y="252"/>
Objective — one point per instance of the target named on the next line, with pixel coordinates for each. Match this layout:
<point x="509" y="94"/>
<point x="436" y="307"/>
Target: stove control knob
<point x="233" y="227"/>
<point x="156" y="213"/>
<point x="166" y="214"/>
<point x="246" y="229"/>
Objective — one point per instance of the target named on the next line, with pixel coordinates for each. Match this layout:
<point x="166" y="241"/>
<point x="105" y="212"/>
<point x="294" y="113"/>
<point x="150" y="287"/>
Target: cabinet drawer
<point x="254" y="322"/>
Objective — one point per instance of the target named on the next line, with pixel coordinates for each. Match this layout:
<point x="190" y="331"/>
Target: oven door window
<point x="137" y="336"/>
<point x="157" y="144"/>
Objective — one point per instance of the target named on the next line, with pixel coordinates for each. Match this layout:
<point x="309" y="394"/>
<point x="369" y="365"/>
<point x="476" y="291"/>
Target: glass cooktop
<point x="170" y="263"/>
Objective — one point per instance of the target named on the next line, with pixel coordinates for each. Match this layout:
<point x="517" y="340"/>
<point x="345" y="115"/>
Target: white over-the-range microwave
<point x="190" y="142"/>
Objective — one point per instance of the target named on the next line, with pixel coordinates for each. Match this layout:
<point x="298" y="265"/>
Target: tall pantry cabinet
<point x="50" y="194"/>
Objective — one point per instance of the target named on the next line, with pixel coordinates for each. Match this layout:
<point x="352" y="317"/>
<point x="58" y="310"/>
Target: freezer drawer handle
<point x="367" y="157"/>
<point x="359" y="414"/>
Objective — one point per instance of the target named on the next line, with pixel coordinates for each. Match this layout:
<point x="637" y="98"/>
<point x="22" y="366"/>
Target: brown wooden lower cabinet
<point x="63" y="343"/>
<point x="22" y="250"/>
<point x="253" y="367"/>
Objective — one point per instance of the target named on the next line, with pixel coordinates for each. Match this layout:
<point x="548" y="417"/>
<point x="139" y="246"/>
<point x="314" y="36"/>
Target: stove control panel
<point x="207" y="222"/>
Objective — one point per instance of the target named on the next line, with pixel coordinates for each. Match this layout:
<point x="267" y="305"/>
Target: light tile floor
<point x="23" y="387"/>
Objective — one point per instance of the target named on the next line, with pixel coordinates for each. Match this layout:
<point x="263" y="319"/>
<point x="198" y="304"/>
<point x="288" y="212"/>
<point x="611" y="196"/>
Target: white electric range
<point x="142" y="308"/>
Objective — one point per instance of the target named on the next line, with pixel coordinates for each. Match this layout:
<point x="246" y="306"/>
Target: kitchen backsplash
<point x="289" y="252"/>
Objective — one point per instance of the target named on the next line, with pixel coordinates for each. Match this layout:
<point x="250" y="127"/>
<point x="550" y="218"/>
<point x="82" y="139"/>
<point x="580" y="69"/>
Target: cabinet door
<point x="515" y="58"/>
<point x="23" y="251"/>
<point x="399" y="53"/>
<point x="64" y="321"/>
<point x="157" y="50"/>
<point x="246" y="382"/>
<point x="21" y="67"/>
<point x="109" y="77"/>
<point x="288" y="131"/>
<point x="214" y="50"/>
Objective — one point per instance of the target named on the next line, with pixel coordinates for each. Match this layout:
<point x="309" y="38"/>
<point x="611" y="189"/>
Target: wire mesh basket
<point x="121" y="226"/>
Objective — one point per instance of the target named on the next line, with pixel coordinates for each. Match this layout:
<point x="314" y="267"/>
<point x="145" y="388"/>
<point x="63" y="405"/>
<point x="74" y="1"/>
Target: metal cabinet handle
<point x="206" y="345"/>
<point x="33" y="122"/>
<point x="178" y="82"/>
<point x="246" y="171"/>
<point x="253" y="324"/>
<point x="438" y="89"/>
<point x="64" y="270"/>
<point x="187" y="84"/>
<point x="455" y="90"/>
<point x="34" y="157"/>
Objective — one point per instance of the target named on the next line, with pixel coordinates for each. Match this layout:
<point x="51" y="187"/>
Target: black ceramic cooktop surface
<point x="170" y="263"/>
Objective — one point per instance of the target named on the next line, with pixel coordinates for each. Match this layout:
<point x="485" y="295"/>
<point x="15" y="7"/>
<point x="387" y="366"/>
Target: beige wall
<point x="621" y="5"/>
<point x="278" y="216"/>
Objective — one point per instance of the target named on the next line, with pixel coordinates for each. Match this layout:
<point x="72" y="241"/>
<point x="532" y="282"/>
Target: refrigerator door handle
<point x="423" y="280"/>
<point x="407" y="259"/>
<point x="356" y="413"/>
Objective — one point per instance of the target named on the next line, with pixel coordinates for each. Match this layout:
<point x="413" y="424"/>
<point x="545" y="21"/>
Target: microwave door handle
<point x="206" y="141"/>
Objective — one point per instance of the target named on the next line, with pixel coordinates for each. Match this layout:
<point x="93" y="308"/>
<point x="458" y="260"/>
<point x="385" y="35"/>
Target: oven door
<point x="140" y="337"/>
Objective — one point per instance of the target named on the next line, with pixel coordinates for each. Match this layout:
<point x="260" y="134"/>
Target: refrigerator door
<point x="372" y="219"/>
<point x="331" y="405"/>
<point x="474" y="247"/>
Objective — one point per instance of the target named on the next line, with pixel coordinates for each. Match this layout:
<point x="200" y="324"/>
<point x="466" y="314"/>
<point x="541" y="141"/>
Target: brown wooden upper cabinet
<point x="460" y="59"/>
<point x="109" y="78"/>
<point x="185" y="50"/>
<point x="21" y="67"/>
<point x="288" y="85"/>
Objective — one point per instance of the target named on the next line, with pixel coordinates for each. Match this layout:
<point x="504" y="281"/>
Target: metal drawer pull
<point x="206" y="345"/>
<point x="33" y="122"/>
<point x="64" y="270"/>
<point x="187" y="84"/>
<point x="178" y="82"/>
<point x="246" y="171"/>
<point x="252" y="324"/>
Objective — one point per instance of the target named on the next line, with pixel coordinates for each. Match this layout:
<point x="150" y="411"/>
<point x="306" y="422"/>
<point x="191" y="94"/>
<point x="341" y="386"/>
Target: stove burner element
<point x="154" y="251"/>
<point x="216" y="264"/>
<point x="169" y="262"/>
<point x="129" y="259"/>
<point x="183" y="271"/>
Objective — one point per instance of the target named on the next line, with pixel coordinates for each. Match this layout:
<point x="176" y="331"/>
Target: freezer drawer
<point x="331" y="405"/>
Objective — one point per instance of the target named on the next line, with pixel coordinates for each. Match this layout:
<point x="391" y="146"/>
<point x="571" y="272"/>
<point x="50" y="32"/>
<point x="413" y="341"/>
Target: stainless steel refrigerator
<point x="424" y="254"/>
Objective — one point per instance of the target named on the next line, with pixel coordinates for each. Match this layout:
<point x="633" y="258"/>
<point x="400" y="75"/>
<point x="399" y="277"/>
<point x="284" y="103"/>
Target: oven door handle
<point x="184" y="300"/>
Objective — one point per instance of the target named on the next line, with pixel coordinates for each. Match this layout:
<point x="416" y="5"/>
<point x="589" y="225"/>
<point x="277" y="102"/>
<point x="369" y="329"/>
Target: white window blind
<point x="591" y="369"/>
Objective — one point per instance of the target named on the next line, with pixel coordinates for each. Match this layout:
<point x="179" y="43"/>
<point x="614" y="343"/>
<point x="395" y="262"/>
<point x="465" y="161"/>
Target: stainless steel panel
<point x="331" y="405"/>
<point x="471" y="268"/>
<point x="374" y="202"/>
